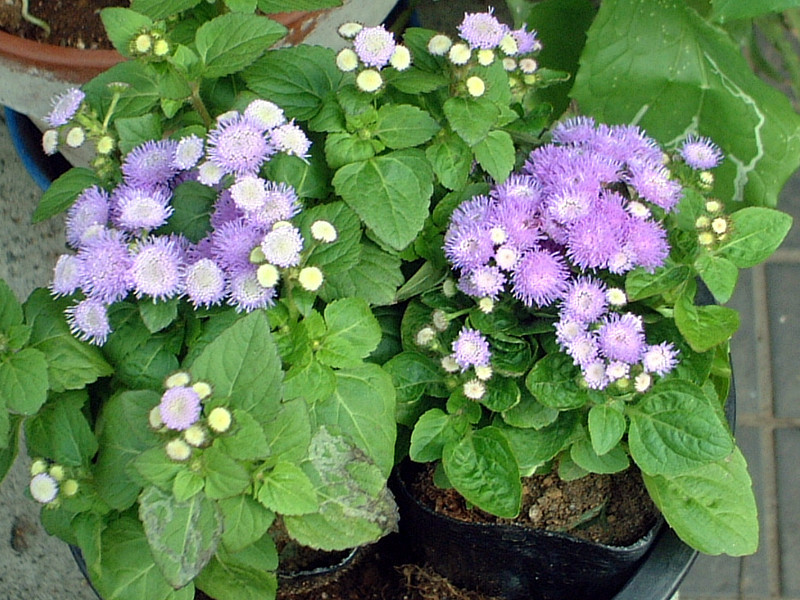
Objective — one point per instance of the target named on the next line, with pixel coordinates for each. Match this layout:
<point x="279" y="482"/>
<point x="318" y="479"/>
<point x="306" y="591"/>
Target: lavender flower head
<point x="157" y="268"/>
<point x="290" y="139"/>
<point x="65" y="106"/>
<point x="700" y="153"/>
<point x="179" y="407"/>
<point x="150" y="164"/>
<point x="89" y="212"/>
<point x="238" y="145"/>
<point x="140" y="208"/>
<point x="471" y="349"/>
<point x="584" y="300"/>
<point x="540" y="278"/>
<point x="282" y="246"/>
<point x="374" y="46"/>
<point x="205" y="283"/>
<point x="88" y="321"/>
<point x="188" y="152"/>
<point x="660" y="358"/>
<point x="621" y="337"/>
<point x="482" y="30"/>
<point x="247" y="294"/>
<point x="105" y="266"/>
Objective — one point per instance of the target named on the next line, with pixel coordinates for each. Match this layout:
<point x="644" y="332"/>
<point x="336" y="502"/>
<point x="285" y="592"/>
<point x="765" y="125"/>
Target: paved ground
<point x="34" y="566"/>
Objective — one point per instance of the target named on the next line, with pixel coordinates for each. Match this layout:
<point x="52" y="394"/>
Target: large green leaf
<point x="182" y="535"/>
<point x="287" y="490"/>
<point x="248" y="574"/>
<point x="404" y="126"/>
<point x="24" y="381"/>
<point x="375" y="277"/>
<point x="353" y="332"/>
<point x="391" y="193"/>
<point x="63" y="191"/>
<point x="244" y="521"/>
<point x="61" y="432"/>
<point x="712" y="507"/>
<point x="757" y="233"/>
<point x="660" y="65"/>
<point x="728" y="10"/>
<point x="233" y="41"/>
<point x="158" y="9"/>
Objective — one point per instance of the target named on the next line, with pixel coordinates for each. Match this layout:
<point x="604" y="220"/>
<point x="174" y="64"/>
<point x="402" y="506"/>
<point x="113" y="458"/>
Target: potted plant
<point x="245" y="242"/>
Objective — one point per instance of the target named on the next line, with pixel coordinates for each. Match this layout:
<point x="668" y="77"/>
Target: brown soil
<point x="610" y="509"/>
<point x="74" y="23"/>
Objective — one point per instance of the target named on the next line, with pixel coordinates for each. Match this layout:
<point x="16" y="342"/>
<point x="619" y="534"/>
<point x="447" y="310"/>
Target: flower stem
<point x="199" y="106"/>
<point x="35" y="20"/>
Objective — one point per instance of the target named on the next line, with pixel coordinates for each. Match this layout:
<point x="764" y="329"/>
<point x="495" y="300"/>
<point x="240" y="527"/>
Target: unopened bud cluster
<point x="373" y="49"/>
<point x="713" y="225"/>
<point x="51" y="482"/>
<point x="150" y="43"/>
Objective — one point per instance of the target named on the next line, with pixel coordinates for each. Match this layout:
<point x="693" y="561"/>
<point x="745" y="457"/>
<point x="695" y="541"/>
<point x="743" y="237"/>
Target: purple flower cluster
<point x="482" y="31"/>
<point x="588" y="205"/>
<point x="119" y="249"/>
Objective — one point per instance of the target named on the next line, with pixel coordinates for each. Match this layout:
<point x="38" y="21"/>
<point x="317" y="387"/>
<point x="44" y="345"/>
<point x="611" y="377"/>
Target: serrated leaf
<point x="24" y="381"/>
<point x="225" y="477"/>
<point x="451" y="159"/>
<point x="287" y="490"/>
<point x="245" y="521"/>
<point x="62" y="192"/>
<point x="552" y="381"/>
<point x="534" y="447"/>
<point x="704" y="327"/>
<point x="10" y="308"/>
<point x="156" y="468"/>
<point x="404" y="126"/>
<point x="675" y="429"/>
<point x="374" y="278"/>
<point x="496" y="154"/>
<point x="134" y="131"/>
<point x="158" y="315"/>
<point x="352" y="333"/>
<point x="121" y="24"/>
<point x="667" y="69"/>
<point x="183" y="535"/>
<point x="233" y="41"/>
<point x="483" y="469"/>
<point x="61" y="432"/>
<point x="712" y="507"/>
<point x="245" y="440"/>
<point x="723" y="11"/>
<point x="289" y="431"/>
<point x="391" y="193"/>
<point x="640" y="284"/>
<point x="757" y="233"/>
<point x="432" y="431"/>
<point x="470" y="118"/>
<point x="186" y="485"/>
<point x="158" y="9"/>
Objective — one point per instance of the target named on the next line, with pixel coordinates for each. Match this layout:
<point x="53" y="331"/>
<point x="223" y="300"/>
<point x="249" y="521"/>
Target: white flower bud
<point x="219" y="419"/>
<point x="369" y="80"/>
<point x="310" y="278"/>
<point x="475" y="86"/>
<point x="439" y="45"/>
<point x="347" y="60"/>
<point x="323" y="231"/>
<point x="459" y="54"/>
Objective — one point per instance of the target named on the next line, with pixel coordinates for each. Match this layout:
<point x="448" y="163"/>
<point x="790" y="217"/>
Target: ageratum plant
<point x="571" y="335"/>
<point x="203" y="376"/>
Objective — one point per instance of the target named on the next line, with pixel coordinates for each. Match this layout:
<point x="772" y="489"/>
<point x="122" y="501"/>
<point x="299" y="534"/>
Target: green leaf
<point x="665" y="68"/>
<point x="192" y="203"/>
<point x="9" y="444"/>
<point x="534" y="447"/>
<point x="225" y="577"/>
<point x="70" y="364"/>
<point x="756" y="234"/>
<point x="704" y="326"/>
<point x="243" y="365"/>
<point x="121" y="24"/>
<point x="245" y="440"/>
<point x="613" y="461"/>
<point x="186" y="485"/>
<point x="246" y="6"/>
<point x="233" y="41"/>
<point x="289" y="431"/>
<point x="451" y="159"/>
<point x="298" y="79"/>
<point x="24" y="381"/>
<point x="10" y="309"/>
<point x="375" y="278"/>
<point x="529" y="412"/>
<point x="502" y="393"/>
<point x="640" y="284"/>
<point x="471" y="118"/>
<point x="404" y="126"/>
<point x="675" y="428"/>
<point x="719" y="274"/>
<point x="61" y="432"/>
<point x="310" y="178"/>
<point x="158" y="9"/>
<point x="432" y="432"/>
<point x="363" y="407"/>
<point x="311" y="382"/>
<point x="496" y="154"/>
<point x="355" y="508"/>
<point x="607" y="425"/>
<point x="288" y="491"/>
<point x="723" y="11"/>
<point x="353" y="332"/>
<point x="225" y="477"/>
<point x="158" y="315"/>
<point x="553" y="382"/>
<point x="134" y="131"/>
<point x="483" y="469"/>
<point x="140" y="97"/>
<point x="712" y="507"/>
<point x="412" y="374"/>
<point x="63" y="191"/>
<point x="182" y="535"/>
<point x="391" y="193"/>
<point x="126" y="570"/>
<point x="155" y="467"/>
<point x="345" y="148"/>
<point x="244" y="521"/>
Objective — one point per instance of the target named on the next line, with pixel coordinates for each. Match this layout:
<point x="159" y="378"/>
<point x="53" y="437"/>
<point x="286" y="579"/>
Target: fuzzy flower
<point x="401" y="58"/>
<point x="50" y="142"/>
<point x="268" y="275"/>
<point x="88" y="321"/>
<point x="90" y="210"/>
<point x="474" y="389"/>
<point x="374" y="46"/>
<point x="150" y="164"/>
<point x="527" y="41"/>
<point x="584" y="300"/>
<point x="482" y="30"/>
<point x="219" y="419"/>
<point x="654" y="184"/>
<point x="594" y="375"/>
<point x="178" y="450"/>
<point x="249" y="193"/>
<point x="540" y="278"/>
<point x="583" y="349"/>
<point x="369" y="80"/>
<point x="232" y="243"/>
<point x="700" y="153"/>
<point x="43" y="488"/>
<point x="104" y="267"/>
<point x="179" y="407"/>
<point x="157" y="268"/>
<point x="209" y="173"/>
<point x="347" y="60"/>
<point x="204" y="283"/>
<point x="660" y="358"/>
<point x="247" y="294"/>
<point x="290" y="139"/>
<point x="323" y="231"/>
<point x="439" y="44"/>
<point x="621" y="337"/>
<point x="65" y="106"/>
<point x="136" y="208"/>
<point x="188" y="152"/>
<point x="267" y="114"/>
<point x="468" y="246"/>
<point x="475" y="86"/>
<point x="484" y="281"/>
<point x="647" y="241"/>
<point x="459" y="54"/>
<point x="66" y="275"/>
<point x="282" y="245"/>
<point x="471" y="349"/>
<point x="310" y="278"/>
<point x="238" y="145"/>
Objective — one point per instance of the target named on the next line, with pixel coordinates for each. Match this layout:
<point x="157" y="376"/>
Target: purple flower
<point x="88" y="321"/>
<point x="65" y="106"/>
<point x="282" y="246"/>
<point x="582" y="348"/>
<point x="474" y="211"/>
<point x="654" y="184"/>
<point x="482" y="30"/>
<point x="281" y="204"/>
<point x="647" y="241"/>
<point x="584" y="300"/>
<point x="660" y="359"/>
<point x="527" y="41"/>
<point x="470" y="349"/>
<point x="595" y="375"/>
<point x="247" y="294"/>
<point x="225" y="210"/>
<point x="374" y="46"/>
<point x="188" y="152"/>
<point x="468" y="246"/>
<point x="520" y="220"/>
<point x="156" y="269"/>
<point x="290" y="139"/>
<point x="571" y="201"/>
<point x="701" y="153"/>
<point x="598" y="236"/>
<point x="66" y="275"/>
<point x="150" y="164"/>
<point x="105" y="266"/>
<point x="575" y="130"/>
<point x="540" y="278"/>
<point x="249" y="193"/>
<point x="205" y="283"/>
<point x="520" y="187"/>
<point x="484" y="282"/>
<point x="238" y="145"/>
<point x="179" y="407"/>
<point x="137" y="208"/>
<point x="232" y="244"/>
<point x="621" y="337"/>
<point x="88" y="214"/>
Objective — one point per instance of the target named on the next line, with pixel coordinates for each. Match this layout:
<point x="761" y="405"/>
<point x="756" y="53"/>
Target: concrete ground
<point x="34" y="566"/>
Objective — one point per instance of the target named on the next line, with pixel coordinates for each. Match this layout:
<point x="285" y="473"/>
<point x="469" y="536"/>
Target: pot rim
<point x="43" y="54"/>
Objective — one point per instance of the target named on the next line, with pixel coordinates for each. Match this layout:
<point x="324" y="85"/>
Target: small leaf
<point x="704" y="326"/>
<point x="192" y="203"/>
<point x="158" y="9"/>
<point x="640" y="284"/>
<point x="495" y="153"/>
<point x="607" y="425"/>
<point x="225" y="477"/>
<point x="246" y="439"/>
<point x="613" y="461"/>
<point x="553" y="382"/>
<point x="471" y="119"/>
<point x="61" y="432"/>
<point x="288" y="491"/>
<point x="158" y="315"/>
<point x="451" y="159"/>
<point x="404" y="126"/>
<point x="353" y="332"/>
<point x="756" y="234"/>
<point x="24" y="381"/>
<point x="244" y="520"/>
<point x="432" y="431"/>
<point x="62" y="192"/>
<point x="534" y="447"/>
<point x="719" y="274"/>
<point x="121" y="24"/>
<point x="186" y="485"/>
<point x="134" y="131"/>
